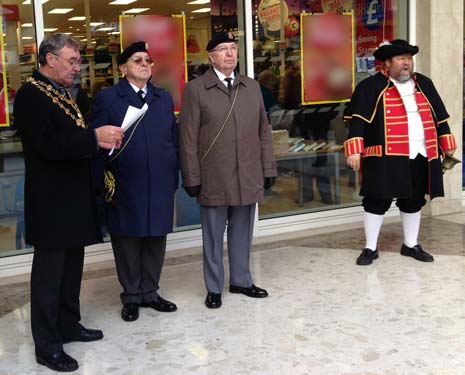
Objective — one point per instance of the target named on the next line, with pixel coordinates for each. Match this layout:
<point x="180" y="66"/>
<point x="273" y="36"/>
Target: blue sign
<point x="373" y="14"/>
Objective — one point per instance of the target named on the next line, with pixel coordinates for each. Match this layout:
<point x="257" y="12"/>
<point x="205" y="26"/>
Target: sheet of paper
<point x="131" y="116"/>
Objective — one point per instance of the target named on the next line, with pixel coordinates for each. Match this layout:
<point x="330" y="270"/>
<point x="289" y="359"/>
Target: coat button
<point x="390" y="148"/>
<point x="388" y="111"/>
<point x="389" y="130"/>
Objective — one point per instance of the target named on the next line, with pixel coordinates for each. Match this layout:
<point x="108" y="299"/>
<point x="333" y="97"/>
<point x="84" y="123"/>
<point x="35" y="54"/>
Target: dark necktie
<point x="141" y="96"/>
<point x="228" y="81"/>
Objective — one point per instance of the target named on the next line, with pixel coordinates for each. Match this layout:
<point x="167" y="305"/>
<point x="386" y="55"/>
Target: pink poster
<point x="4" y="115"/>
<point x="165" y="36"/>
<point x="327" y="57"/>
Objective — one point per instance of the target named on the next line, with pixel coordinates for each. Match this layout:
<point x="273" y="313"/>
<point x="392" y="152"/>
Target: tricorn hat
<point x="219" y="38"/>
<point x="395" y="47"/>
<point x="131" y="50"/>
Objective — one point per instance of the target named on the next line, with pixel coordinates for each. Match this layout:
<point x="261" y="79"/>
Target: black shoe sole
<point x="43" y="362"/>
<point x="414" y="257"/>
<point x="367" y="264"/>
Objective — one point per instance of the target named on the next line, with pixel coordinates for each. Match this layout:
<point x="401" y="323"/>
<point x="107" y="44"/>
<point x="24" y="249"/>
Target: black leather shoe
<point x="130" y="312"/>
<point x="213" y="300"/>
<point x="417" y="253"/>
<point x="84" y="335"/>
<point x="58" y="361"/>
<point x="160" y="304"/>
<point x="251" y="291"/>
<point x="367" y="257"/>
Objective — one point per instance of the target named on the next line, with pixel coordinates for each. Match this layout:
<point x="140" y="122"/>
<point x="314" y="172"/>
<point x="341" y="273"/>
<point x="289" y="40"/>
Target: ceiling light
<point x="122" y="2"/>
<point x="77" y="18"/>
<point x="26" y="25"/>
<point x="198" y="2"/>
<point x="96" y="24"/>
<point x="26" y="2"/>
<point x="51" y="29"/>
<point x="137" y="10"/>
<point x="201" y="10"/>
<point x="114" y="33"/>
<point x="105" y="29"/>
<point x="60" y="10"/>
<point x="28" y="37"/>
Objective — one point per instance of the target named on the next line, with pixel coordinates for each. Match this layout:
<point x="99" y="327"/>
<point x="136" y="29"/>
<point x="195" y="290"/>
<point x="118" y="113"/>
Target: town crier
<point x="398" y="131"/>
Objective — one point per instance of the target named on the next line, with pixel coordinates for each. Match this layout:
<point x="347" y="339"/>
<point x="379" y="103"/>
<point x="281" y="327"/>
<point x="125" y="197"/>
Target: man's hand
<point x="109" y="136"/>
<point x="192" y="191"/>
<point x="354" y="161"/>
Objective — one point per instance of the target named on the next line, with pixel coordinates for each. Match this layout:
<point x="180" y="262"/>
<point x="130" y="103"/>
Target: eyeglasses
<point x="138" y="60"/>
<point x="72" y="61"/>
<point x="225" y="49"/>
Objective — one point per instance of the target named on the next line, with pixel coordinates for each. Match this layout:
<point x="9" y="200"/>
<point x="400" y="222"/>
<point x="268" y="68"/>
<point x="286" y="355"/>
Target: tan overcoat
<point x="233" y="171"/>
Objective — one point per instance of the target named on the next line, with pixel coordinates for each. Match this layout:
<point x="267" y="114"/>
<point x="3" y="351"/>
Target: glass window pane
<point x="312" y="171"/>
<point x="18" y="51"/>
<point x="99" y="33"/>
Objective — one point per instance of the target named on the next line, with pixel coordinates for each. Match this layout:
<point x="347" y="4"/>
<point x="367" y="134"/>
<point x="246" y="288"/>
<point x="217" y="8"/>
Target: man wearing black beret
<point x="140" y="214"/>
<point x="226" y="157"/>
<point x="398" y="130"/>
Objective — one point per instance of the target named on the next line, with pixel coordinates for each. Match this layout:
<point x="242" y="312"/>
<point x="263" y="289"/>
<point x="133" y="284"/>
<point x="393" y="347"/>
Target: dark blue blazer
<point x="146" y="171"/>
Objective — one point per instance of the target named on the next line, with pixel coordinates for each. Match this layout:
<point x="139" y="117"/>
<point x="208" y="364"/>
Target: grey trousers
<point x="240" y="221"/>
<point x="138" y="264"/>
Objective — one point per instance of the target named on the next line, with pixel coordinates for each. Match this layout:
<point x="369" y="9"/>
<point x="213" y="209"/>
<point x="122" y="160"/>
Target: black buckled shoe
<point x="367" y="257"/>
<point x="416" y="252"/>
<point x="58" y="361"/>
<point x="160" y="304"/>
<point x="130" y="312"/>
<point x="213" y="300"/>
<point x="84" y="335"/>
<point x="251" y="291"/>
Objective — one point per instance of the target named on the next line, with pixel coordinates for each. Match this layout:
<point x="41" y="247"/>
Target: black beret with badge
<point x="131" y="50"/>
<point x="395" y="47"/>
<point x="218" y="38"/>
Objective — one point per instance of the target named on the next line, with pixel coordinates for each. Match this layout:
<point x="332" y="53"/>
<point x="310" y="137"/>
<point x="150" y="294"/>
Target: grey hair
<point x="53" y="44"/>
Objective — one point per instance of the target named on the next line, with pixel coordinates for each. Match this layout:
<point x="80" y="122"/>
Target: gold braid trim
<point x="58" y="99"/>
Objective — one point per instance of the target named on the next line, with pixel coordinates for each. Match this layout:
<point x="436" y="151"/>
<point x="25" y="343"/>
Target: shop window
<point x="18" y="53"/>
<point x="308" y="131"/>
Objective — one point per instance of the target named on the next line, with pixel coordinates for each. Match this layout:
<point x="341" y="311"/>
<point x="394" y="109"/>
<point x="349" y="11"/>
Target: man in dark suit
<point x="60" y="212"/>
<point x="140" y="214"/>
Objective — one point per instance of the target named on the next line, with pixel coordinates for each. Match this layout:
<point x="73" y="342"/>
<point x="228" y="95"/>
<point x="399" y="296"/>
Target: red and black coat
<point x="378" y="130"/>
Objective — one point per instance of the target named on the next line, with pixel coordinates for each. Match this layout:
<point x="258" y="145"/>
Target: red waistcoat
<point x="396" y="124"/>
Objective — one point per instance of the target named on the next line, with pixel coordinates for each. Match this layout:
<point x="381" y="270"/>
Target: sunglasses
<point x="138" y="60"/>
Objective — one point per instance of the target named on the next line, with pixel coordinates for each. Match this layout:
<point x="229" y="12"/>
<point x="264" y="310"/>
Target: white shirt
<point x="137" y="89"/>
<point x="221" y="76"/>
<point x="416" y="133"/>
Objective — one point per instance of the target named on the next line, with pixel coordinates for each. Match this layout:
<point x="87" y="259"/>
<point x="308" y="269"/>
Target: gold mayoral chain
<point x="58" y="99"/>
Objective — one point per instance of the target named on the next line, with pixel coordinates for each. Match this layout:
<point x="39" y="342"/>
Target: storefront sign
<point x="10" y="12"/>
<point x="165" y="36"/>
<point x="374" y="19"/>
<point x="4" y="115"/>
<point x="327" y="57"/>
<point x="269" y="14"/>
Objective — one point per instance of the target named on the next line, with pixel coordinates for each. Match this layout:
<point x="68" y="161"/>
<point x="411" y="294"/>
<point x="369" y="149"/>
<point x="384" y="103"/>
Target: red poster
<point x="4" y="115"/>
<point x="327" y="57"/>
<point x="374" y="20"/>
<point x="165" y="36"/>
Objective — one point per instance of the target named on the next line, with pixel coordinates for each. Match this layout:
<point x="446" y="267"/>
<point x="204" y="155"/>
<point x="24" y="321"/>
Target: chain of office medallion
<point x="58" y="98"/>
